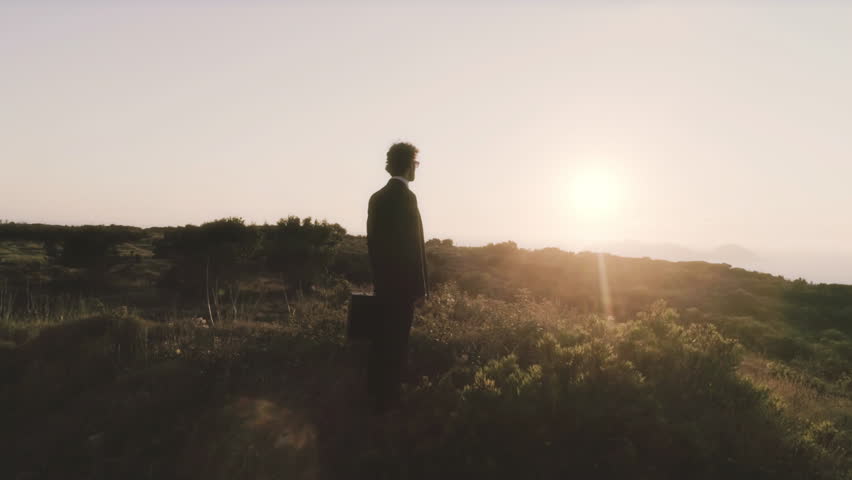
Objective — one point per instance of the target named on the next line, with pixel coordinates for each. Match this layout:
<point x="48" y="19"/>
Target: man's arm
<point x="411" y="249"/>
<point x="423" y="254"/>
<point x="395" y="246"/>
<point x="422" y="288"/>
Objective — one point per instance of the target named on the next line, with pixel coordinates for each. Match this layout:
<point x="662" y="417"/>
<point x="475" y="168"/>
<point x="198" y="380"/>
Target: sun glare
<point x="594" y="194"/>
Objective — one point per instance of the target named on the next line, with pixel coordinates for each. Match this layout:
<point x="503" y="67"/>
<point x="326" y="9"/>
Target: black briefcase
<point x="364" y="317"/>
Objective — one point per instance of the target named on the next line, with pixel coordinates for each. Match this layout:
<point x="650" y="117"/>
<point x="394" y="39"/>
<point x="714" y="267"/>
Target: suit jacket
<point x="395" y="243"/>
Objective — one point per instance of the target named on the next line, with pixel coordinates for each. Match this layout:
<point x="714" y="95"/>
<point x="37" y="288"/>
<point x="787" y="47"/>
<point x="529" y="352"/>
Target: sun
<point x="594" y="194"/>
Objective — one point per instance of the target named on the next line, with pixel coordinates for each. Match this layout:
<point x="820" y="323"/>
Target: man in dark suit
<point x="398" y="261"/>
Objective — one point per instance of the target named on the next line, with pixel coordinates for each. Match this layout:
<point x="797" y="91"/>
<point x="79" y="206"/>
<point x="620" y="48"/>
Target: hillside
<point x="533" y="364"/>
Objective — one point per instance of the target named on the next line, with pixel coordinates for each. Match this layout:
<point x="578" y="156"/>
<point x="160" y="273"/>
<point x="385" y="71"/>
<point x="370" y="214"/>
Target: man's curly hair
<point x="400" y="156"/>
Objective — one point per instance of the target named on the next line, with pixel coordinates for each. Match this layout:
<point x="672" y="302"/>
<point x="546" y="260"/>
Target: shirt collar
<point x="402" y="179"/>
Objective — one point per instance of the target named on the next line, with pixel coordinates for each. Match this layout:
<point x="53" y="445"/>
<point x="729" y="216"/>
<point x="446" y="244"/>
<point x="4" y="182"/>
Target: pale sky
<point x="701" y="125"/>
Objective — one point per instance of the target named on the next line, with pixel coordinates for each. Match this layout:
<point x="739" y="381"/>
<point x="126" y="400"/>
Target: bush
<point x="650" y="398"/>
<point x="302" y="250"/>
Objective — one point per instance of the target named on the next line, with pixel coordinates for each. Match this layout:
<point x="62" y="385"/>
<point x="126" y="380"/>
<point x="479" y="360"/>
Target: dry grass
<point x="21" y="252"/>
<point x="799" y="399"/>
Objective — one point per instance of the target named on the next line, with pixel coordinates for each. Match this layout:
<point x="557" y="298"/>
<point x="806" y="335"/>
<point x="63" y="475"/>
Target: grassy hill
<point x="524" y="364"/>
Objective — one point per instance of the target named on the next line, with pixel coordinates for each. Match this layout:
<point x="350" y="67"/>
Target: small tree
<point x="301" y="250"/>
<point x="210" y="258"/>
<point x="89" y="245"/>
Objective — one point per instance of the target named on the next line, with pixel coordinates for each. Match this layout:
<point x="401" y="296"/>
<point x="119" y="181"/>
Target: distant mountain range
<point x="815" y="266"/>
<point x="731" y="254"/>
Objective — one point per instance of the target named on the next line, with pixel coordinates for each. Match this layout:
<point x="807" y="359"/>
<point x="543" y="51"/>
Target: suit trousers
<point x="388" y="355"/>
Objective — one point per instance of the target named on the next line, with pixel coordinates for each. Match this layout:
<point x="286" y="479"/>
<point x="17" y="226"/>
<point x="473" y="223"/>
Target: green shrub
<point x="650" y="398"/>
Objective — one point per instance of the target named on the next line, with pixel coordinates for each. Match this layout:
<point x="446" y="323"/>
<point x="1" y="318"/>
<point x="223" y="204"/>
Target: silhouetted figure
<point x="398" y="261"/>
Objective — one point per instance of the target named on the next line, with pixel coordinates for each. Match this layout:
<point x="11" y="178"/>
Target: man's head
<point x="402" y="161"/>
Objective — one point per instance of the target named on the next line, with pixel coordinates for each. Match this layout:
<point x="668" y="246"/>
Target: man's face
<point x="411" y="171"/>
